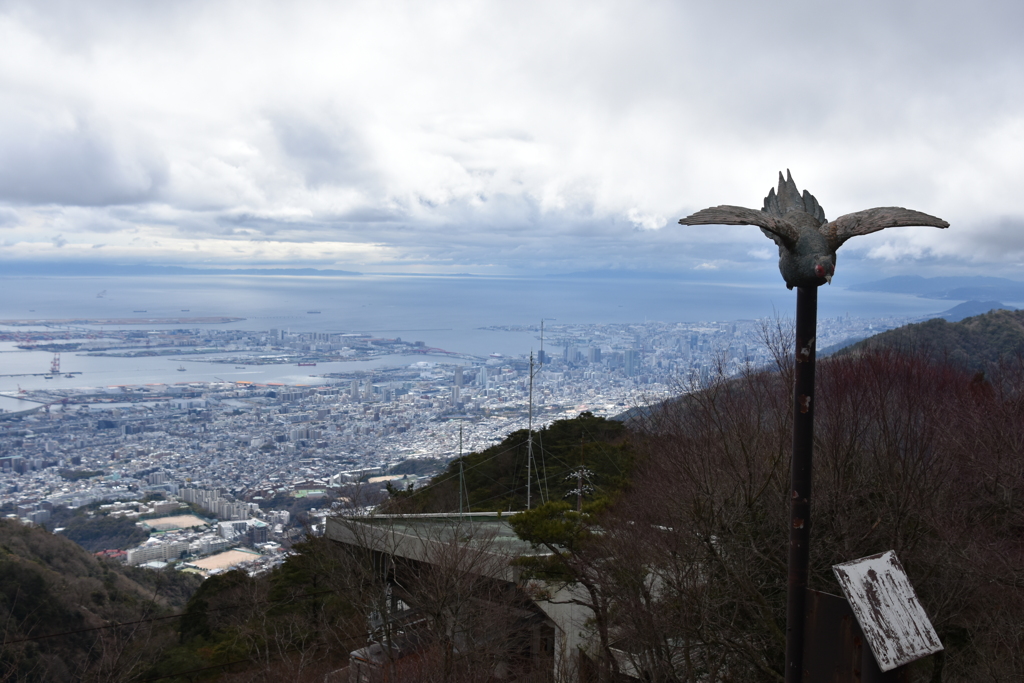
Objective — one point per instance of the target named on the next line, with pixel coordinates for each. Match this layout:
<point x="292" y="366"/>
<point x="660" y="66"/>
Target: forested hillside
<point x="495" y="478"/>
<point x="99" y="532"/>
<point x="53" y="597"/>
<point x="979" y="343"/>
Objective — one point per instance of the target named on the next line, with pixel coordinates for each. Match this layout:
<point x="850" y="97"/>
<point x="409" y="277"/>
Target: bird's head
<point x="825" y="270"/>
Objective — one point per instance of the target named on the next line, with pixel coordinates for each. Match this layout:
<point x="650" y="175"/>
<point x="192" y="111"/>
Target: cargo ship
<point x="307" y="365"/>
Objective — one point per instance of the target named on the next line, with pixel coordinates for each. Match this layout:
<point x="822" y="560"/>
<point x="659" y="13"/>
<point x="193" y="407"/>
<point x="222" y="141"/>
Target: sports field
<point x="228" y="558"/>
<point x="175" y="522"/>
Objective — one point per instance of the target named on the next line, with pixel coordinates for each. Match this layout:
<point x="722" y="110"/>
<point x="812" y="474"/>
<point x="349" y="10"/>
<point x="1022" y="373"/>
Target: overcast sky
<point x="505" y="136"/>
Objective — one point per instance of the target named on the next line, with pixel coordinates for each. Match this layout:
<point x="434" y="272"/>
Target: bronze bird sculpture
<point x="807" y="242"/>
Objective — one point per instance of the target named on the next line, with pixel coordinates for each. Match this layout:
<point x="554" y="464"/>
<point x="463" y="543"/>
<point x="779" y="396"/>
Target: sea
<point x="466" y="314"/>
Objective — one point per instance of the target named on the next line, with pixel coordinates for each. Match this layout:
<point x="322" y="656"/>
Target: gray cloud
<point x="8" y="217"/>
<point x="330" y="153"/>
<point x="558" y="136"/>
<point x="69" y="159"/>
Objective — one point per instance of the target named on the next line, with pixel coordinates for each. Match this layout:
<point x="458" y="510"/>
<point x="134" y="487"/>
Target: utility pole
<point x="462" y="474"/>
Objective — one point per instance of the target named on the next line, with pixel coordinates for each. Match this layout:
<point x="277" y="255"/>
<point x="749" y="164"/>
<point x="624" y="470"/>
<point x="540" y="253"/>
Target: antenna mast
<point x="542" y="473"/>
<point x="529" y="438"/>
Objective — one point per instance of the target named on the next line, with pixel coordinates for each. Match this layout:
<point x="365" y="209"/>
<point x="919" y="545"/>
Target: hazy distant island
<point x="100" y="269"/>
<point x="978" y="288"/>
<point x="214" y="320"/>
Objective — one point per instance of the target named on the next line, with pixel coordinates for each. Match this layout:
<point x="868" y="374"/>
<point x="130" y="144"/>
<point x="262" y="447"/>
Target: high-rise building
<point x="631" y="362"/>
<point x="259" y="532"/>
<point x="458" y="376"/>
<point x="594" y="354"/>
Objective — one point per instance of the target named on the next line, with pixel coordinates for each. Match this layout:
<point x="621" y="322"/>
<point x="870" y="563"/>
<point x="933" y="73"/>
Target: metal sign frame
<point x="887" y="608"/>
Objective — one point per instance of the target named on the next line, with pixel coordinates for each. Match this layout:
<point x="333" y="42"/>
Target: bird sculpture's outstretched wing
<point x="873" y="220"/>
<point x="783" y="233"/>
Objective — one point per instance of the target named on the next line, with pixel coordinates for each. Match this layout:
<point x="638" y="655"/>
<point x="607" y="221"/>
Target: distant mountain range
<point x="969" y="309"/>
<point x="976" y="288"/>
<point x="87" y="269"/>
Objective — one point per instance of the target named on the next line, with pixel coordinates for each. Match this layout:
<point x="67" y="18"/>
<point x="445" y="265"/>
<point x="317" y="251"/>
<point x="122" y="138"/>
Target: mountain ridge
<point x="979" y="343"/>
<point x="962" y="288"/>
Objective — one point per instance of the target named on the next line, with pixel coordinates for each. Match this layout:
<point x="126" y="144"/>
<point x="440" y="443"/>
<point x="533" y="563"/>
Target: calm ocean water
<point x="444" y="312"/>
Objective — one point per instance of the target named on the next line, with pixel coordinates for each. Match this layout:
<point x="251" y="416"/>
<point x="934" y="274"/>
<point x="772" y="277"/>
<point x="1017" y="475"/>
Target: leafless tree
<point x="446" y="585"/>
<point x="910" y="455"/>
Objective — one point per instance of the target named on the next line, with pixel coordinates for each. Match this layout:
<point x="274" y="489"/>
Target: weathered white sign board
<point x="886" y="606"/>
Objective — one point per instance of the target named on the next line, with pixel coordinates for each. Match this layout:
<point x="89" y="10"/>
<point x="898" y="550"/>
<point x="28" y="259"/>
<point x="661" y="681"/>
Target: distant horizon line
<point x="95" y="268"/>
<point x="99" y="269"/>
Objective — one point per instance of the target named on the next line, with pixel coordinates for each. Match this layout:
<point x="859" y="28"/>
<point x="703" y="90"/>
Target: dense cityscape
<point x="246" y="456"/>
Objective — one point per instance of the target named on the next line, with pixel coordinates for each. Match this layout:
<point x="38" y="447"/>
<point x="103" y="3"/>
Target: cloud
<point x="65" y="157"/>
<point x="998" y="242"/>
<point x="324" y="152"/>
<point x="8" y="217"/>
<point x="644" y="220"/>
<point x="479" y="135"/>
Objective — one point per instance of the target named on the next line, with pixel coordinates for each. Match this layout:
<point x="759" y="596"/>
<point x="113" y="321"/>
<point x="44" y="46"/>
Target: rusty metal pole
<point x="800" y="474"/>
